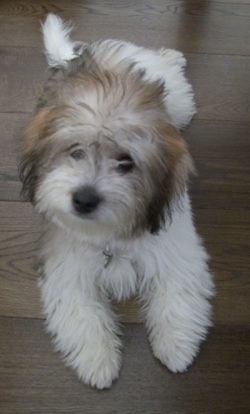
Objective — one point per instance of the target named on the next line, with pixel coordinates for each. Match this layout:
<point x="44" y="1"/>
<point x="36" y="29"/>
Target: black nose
<point x="85" y="200"/>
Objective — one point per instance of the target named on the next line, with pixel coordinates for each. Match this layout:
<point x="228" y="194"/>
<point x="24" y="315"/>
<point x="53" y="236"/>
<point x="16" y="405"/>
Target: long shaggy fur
<point x="104" y="162"/>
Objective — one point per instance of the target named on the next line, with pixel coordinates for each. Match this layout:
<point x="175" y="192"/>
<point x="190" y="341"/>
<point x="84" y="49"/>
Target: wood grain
<point x="34" y="379"/>
<point x="194" y="26"/>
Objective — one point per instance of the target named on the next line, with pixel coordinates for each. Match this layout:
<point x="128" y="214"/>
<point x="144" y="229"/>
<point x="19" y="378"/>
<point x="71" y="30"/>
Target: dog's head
<point x="99" y="155"/>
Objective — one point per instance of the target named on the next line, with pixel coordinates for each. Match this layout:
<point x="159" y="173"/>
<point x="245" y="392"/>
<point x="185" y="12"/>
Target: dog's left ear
<point x="179" y="162"/>
<point x="172" y="172"/>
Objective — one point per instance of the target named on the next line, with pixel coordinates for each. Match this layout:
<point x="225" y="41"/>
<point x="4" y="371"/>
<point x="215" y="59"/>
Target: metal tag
<point x="108" y="257"/>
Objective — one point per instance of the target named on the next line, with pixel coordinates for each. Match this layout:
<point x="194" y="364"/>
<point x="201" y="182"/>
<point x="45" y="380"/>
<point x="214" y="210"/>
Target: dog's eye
<point x="126" y="163"/>
<point x="77" y="154"/>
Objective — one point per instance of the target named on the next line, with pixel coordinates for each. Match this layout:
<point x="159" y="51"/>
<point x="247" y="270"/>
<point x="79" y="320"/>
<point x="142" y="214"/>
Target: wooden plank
<point x="224" y="175"/>
<point x="218" y="140"/>
<point x="194" y="26"/>
<point x="22" y="75"/>
<point x="226" y="233"/>
<point x="221" y="86"/>
<point x="35" y="380"/>
<point x="11" y="125"/>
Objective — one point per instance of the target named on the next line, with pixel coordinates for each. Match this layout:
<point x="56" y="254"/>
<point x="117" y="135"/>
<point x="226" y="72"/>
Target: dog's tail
<point x="59" y="48"/>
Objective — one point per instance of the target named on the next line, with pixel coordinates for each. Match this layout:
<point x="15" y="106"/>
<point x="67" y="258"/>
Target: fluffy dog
<point x="104" y="162"/>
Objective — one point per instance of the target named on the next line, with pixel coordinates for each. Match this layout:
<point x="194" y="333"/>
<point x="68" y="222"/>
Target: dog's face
<point x="100" y="156"/>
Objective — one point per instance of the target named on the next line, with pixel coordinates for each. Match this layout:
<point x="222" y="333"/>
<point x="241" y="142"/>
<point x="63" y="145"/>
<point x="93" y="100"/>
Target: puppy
<point x="104" y="162"/>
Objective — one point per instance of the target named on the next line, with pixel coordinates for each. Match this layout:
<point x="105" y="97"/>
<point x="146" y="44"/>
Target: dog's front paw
<point x="177" y="347"/>
<point x="176" y="356"/>
<point x="97" y="364"/>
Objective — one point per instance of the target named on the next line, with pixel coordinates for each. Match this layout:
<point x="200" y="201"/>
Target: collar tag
<point x="108" y="257"/>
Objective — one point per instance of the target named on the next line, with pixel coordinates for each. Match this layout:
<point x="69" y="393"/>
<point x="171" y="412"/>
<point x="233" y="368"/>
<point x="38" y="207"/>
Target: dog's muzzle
<point x="85" y="200"/>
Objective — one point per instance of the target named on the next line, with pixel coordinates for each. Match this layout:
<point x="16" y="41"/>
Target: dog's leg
<point x="79" y="318"/>
<point x="177" y="308"/>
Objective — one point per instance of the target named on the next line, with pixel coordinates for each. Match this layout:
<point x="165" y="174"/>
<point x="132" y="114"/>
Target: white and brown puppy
<point x="104" y="162"/>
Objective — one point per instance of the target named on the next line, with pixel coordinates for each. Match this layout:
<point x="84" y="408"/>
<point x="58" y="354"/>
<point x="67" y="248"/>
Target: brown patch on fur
<point x="178" y="158"/>
<point x="119" y="92"/>
<point x="36" y="151"/>
<point x="170" y="172"/>
<point x="35" y="130"/>
<point x="112" y="94"/>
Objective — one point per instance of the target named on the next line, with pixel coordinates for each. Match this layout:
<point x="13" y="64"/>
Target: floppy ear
<point x="31" y="141"/>
<point x="174" y="166"/>
<point x="179" y="160"/>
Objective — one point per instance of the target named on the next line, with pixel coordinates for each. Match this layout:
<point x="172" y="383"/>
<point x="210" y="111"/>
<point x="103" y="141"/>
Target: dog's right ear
<point x="59" y="48"/>
<point x="32" y="147"/>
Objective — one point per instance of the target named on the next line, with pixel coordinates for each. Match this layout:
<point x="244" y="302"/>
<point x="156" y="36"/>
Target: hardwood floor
<point x="214" y="35"/>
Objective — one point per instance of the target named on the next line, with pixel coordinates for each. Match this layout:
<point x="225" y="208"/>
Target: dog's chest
<point x="119" y="273"/>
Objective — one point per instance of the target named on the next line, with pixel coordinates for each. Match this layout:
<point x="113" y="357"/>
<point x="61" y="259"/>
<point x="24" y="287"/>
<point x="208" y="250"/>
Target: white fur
<point x="59" y="48"/>
<point x="165" y="64"/>
<point x="171" y="274"/>
<point x="168" y="270"/>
